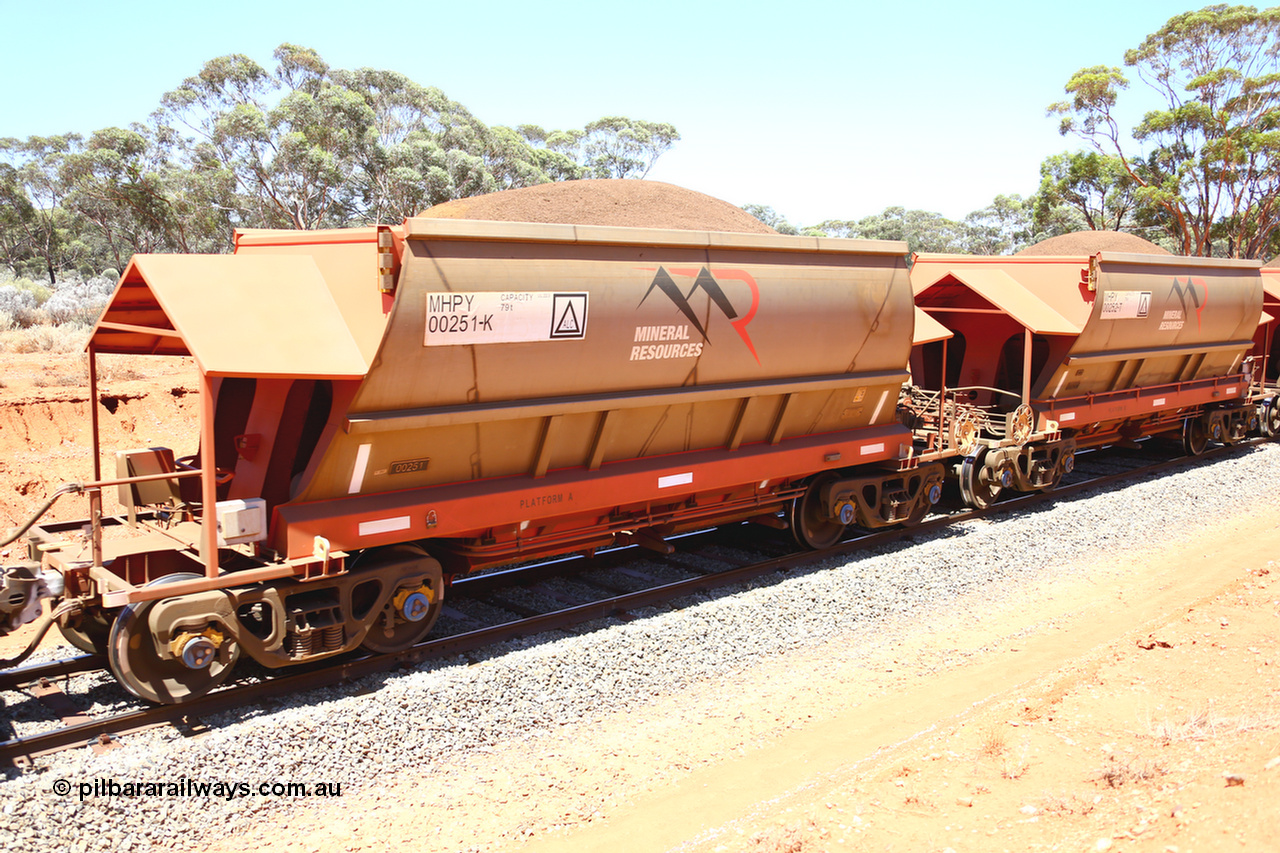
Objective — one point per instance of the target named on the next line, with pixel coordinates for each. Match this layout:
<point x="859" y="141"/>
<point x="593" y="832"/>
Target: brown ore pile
<point x="620" y="203"/>
<point x="1091" y="242"/>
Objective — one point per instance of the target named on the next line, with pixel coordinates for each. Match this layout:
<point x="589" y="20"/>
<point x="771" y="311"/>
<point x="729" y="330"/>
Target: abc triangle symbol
<point x="568" y="324"/>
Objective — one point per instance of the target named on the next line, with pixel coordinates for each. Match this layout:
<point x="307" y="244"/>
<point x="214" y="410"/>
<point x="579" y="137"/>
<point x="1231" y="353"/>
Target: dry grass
<point x="70" y="337"/>
<point x="1015" y="768"/>
<point x="59" y="380"/>
<point x="1066" y="804"/>
<point x="993" y="743"/>
<point x="1205" y="723"/>
<point x="116" y="370"/>
<point x="789" y="839"/>
<point x="1121" y="772"/>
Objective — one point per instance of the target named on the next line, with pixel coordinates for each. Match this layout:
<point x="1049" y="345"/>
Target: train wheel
<point x="1195" y="437"/>
<point x="413" y="609"/>
<point x="810" y="524"/>
<point x="89" y="631"/>
<point x="135" y="660"/>
<point x="1271" y="417"/>
<point x="981" y="485"/>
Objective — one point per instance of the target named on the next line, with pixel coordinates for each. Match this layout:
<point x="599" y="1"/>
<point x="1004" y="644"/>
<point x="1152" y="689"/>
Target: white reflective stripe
<point x="1066" y="416"/>
<point x="884" y="395"/>
<point x="357" y="475"/>
<point x="384" y="525"/>
<point x="867" y="450"/>
<point x="1158" y="401"/>
<point x="675" y="480"/>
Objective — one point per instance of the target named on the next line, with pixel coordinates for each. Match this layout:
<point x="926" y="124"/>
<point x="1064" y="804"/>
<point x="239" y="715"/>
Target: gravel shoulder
<point x="1027" y="713"/>
<point x="856" y="705"/>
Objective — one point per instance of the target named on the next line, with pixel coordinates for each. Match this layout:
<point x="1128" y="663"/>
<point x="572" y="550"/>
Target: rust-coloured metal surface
<point x="1266" y="341"/>
<point x="404" y="366"/>
<point x="516" y="350"/>
<point x="238" y="315"/>
<point x="1109" y="323"/>
<point x="928" y="330"/>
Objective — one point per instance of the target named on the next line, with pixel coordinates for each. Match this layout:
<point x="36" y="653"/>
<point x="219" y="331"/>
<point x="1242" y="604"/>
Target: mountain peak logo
<point x="705" y="280"/>
<point x="1187" y="291"/>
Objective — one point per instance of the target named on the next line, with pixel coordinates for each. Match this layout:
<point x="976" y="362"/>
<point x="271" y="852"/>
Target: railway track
<point x="709" y="560"/>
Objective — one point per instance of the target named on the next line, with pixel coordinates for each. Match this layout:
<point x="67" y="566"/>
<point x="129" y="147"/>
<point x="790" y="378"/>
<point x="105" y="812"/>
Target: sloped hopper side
<point x="516" y="349"/>
<point x="1266" y="342"/>
<point x="1159" y="320"/>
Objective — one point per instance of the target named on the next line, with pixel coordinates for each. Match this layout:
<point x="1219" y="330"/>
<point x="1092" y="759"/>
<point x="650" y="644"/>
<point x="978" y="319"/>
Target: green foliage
<point x="618" y="147"/>
<point x="1084" y="190"/>
<point x="771" y="217"/>
<point x="299" y="145"/>
<point x="922" y="230"/>
<point x="1208" y="172"/>
<point x="1002" y="228"/>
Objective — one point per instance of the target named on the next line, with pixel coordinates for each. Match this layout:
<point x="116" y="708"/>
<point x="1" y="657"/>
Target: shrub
<point x="21" y="306"/>
<point x="79" y="301"/>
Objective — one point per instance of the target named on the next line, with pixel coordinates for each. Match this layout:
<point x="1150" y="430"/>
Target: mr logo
<point x="705" y="280"/>
<point x="1194" y="291"/>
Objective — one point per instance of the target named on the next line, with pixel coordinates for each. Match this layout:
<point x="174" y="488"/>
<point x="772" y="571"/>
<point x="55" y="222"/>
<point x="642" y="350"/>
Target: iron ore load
<point x="386" y="408"/>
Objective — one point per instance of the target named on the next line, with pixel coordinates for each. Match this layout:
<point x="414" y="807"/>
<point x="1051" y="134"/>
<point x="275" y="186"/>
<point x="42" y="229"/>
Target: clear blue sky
<point x="820" y="110"/>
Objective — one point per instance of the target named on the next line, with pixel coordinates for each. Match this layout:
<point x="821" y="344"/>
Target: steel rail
<point x="23" y="750"/>
<point x="32" y="673"/>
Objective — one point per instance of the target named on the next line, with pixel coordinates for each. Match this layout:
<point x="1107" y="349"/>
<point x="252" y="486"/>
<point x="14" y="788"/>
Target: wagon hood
<point x="237" y="315"/>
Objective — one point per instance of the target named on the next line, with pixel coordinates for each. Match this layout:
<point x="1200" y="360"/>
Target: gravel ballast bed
<point x="357" y="733"/>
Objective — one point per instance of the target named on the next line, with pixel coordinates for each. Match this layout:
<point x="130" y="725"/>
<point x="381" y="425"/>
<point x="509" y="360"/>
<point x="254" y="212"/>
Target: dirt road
<point x="1116" y="710"/>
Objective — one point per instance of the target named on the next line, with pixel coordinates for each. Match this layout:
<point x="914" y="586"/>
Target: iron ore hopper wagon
<point x="1048" y="355"/>
<point x="385" y="408"/>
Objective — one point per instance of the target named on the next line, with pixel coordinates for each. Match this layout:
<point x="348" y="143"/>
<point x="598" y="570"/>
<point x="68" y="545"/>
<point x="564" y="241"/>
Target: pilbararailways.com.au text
<point x="185" y="787"/>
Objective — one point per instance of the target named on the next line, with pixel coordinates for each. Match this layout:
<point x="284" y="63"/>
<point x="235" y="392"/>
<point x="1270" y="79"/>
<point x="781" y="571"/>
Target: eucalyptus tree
<point x="428" y="149"/>
<point x="771" y="217"/>
<point x="923" y="231"/>
<point x="1208" y="171"/>
<point x="117" y="182"/>
<point x="1095" y="187"/>
<point x="43" y="237"/>
<point x="1001" y="228"/>
<point x="16" y="214"/>
<point x="288" y="141"/>
<point x="620" y="147"/>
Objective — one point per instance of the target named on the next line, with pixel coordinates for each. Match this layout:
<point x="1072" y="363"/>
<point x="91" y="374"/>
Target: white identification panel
<point x="1125" y="304"/>
<point x="504" y="318"/>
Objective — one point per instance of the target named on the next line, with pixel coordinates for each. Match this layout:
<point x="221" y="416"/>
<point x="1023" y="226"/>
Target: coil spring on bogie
<point x="308" y="641"/>
<point x="303" y="642"/>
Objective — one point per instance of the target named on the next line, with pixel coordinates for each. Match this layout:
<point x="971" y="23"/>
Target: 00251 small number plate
<point x="408" y="466"/>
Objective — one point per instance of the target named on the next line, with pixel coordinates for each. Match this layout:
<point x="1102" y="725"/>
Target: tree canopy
<point x="1204" y="167"/>
<point x="297" y="145"/>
